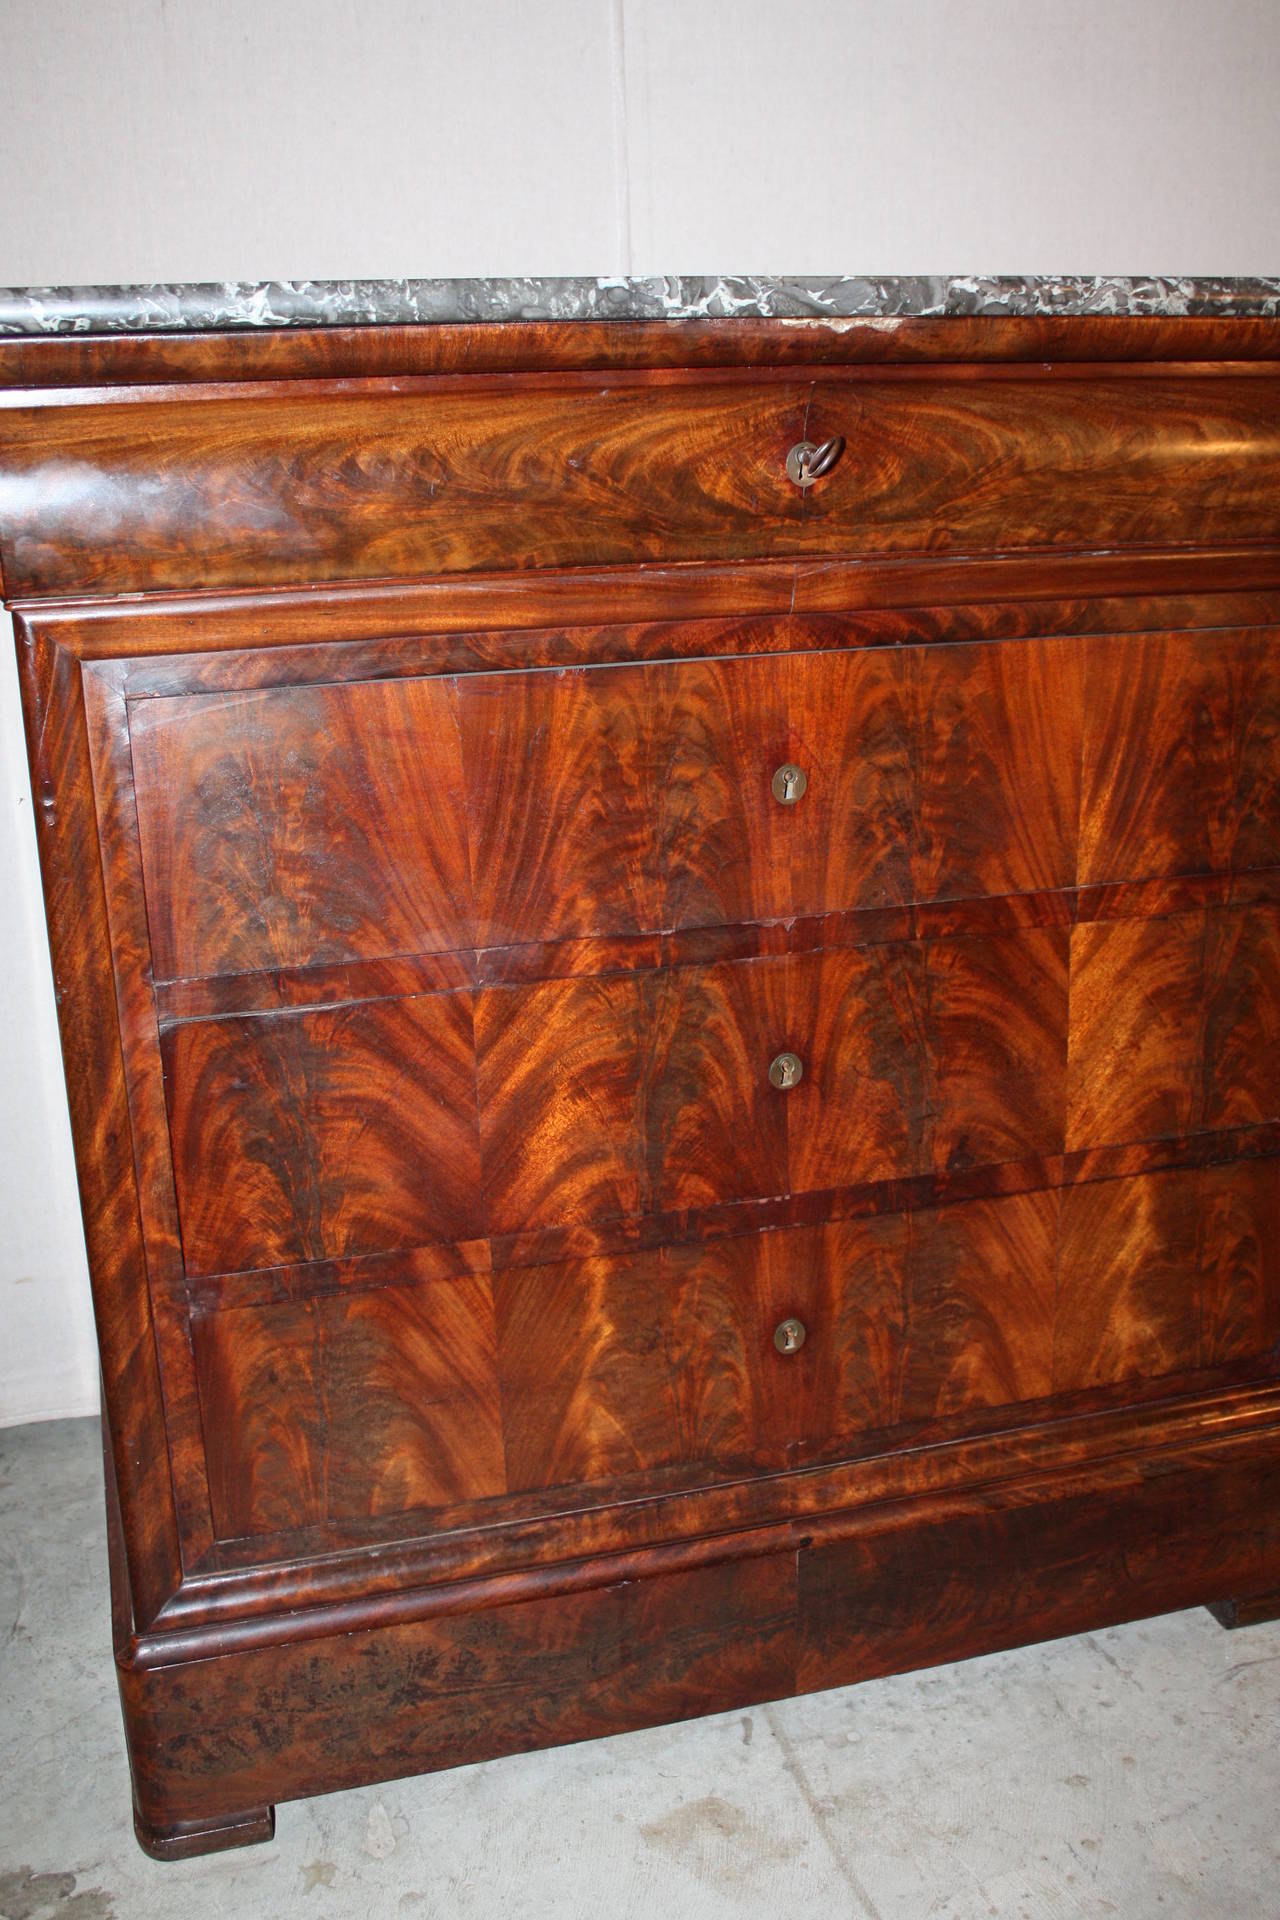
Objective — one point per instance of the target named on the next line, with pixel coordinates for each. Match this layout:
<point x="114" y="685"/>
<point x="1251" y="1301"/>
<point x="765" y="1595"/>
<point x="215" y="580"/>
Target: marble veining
<point x="293" y="303"/>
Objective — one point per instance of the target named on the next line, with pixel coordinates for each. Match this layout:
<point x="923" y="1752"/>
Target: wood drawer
<point x="335" y="1132"/>
<point x="368" y="1405"/>
<point x="214" y="489"/>
<point x="606" y="1099"/>
<point x="343" y="1131"/>
<point x="601" y="1102"/>
<point x="303" y="826"/>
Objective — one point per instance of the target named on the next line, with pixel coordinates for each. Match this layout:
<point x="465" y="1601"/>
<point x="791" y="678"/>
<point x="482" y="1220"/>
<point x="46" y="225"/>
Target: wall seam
<point x="621" y="137"/>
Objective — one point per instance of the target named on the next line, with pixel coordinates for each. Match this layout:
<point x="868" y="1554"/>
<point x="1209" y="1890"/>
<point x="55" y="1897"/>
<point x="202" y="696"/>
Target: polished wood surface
<point x="1174" y="1024"/>
<point x="107" y="360"/>
<point x="213" y="491"/>
<point x="403" y="714"/>
<point x="1203" y="795"/>
<point x="623" y="1366"/>
<point x="312" y="1135"/>
<point x="305" y="825"/>
<point x="350" y="1405"/>
<point x="905" y="1587"/>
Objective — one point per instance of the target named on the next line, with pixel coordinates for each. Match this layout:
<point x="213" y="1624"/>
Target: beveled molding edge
<point x="1022" y="1462"/>
<point x="242" y="304"/>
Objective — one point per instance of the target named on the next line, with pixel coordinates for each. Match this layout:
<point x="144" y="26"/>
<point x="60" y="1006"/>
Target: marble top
<point x="296" y="303"/>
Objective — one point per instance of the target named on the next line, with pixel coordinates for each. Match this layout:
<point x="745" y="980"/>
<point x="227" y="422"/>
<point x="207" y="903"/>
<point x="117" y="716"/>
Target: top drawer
<point x="216" y="489"/>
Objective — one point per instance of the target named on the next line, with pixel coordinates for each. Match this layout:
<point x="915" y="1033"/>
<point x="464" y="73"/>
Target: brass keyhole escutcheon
<point x="789" y="784"/>
<point x="788" y="1335"/>
<point x="787" y="1070"/>
<point x="806" y="463"/>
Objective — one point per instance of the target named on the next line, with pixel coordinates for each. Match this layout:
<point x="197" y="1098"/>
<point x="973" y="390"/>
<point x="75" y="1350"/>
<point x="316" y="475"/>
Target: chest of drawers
<point x="668" y="947"/>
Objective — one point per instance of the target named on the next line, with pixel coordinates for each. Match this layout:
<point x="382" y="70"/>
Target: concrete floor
<point x="1134" y="1772"/>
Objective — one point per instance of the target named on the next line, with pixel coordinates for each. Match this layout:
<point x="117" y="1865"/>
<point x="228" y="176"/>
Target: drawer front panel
<point x="1167" y="1273"/>
<point x="964" y="466"/>
<point x="565" y="801"/>
<point x="309" y="826"/>
<point x="616" y="1367"/>
<point x="358" y="1407"/>
<point x="336" y="1132"/>
<point x="485" y="474"/>
<point x="1175" y="1025"/>
<point x="309" y="1136"/>
<point x="598" y="1101"/>
<point x="619" y="800"/>
<point x="300" y="825"/>
<point x="312" y="825"/>
<point x="1181" y="755"/>
<point x="926" y="1058"/>
<point x="652" y="1093"/>
<point x="320" y="1134"/>
<point x="349" y="1407"/>
<point x="938" y="772"/>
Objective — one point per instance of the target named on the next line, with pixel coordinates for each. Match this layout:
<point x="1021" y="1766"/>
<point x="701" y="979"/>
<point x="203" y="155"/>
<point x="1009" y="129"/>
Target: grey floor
<point x="1134" y="1772"/>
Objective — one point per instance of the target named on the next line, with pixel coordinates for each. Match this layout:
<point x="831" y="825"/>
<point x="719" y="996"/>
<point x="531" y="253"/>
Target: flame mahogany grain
<point x="402" y="706"/>
<point x="301" y="825"/>
<point x="162" y="490"/>
<point x="307" y="1136"/>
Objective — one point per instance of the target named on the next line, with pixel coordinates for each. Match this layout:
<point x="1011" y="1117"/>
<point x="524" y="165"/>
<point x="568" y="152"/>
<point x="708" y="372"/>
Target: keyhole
<point x="788" y="1336"/>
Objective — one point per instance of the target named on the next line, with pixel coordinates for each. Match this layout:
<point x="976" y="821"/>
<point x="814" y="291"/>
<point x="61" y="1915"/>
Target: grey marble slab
<point x="293" y="303"/>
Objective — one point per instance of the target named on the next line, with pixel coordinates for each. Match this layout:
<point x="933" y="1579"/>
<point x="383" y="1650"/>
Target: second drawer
<point x="330" y="1132"/>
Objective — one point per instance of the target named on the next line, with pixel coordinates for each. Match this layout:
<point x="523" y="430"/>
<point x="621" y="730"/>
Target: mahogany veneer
<point x="425" y="923"/>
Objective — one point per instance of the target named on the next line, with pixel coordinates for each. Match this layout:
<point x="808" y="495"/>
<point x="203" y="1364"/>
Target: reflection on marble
<point x="292" y="303"/>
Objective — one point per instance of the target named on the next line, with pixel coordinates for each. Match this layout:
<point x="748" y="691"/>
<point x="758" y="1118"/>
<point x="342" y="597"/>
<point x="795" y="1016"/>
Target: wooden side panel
<point x="74" y="882"/>
<point x="350" y="1406"/>
<point x="302" y="825"/>
<point x="308" y="1136"/>
<point x="1175" y="1025"/>
<point x="1181" y="755"/>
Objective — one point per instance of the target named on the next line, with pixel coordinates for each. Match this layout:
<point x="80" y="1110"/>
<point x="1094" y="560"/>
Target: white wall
<point x="181" y="139"/>
<point x="48" y="1364"/>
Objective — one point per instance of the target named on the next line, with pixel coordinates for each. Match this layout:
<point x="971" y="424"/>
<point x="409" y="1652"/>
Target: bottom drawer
<point x="220" y="1734"/>
<point x="370" y="1406"/>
